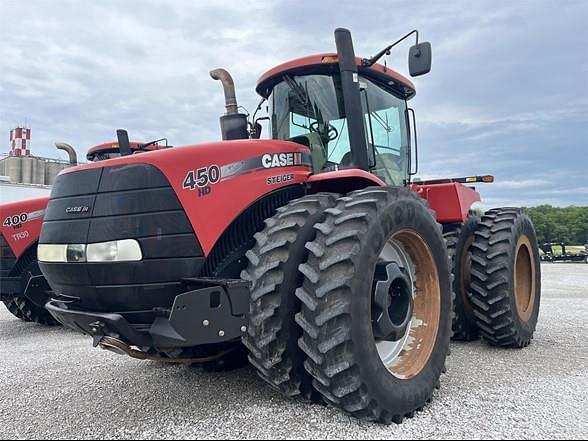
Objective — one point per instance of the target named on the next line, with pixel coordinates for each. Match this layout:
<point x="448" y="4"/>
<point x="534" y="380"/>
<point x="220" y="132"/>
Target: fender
<point x="20" y="223"/>
<point x="450" y="201"/>
<point x="343" y="181"/>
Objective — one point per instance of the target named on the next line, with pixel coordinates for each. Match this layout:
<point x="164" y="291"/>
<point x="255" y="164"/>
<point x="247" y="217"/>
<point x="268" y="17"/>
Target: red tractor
<point x="23" y="289"/>
<point x="312" y="248"/>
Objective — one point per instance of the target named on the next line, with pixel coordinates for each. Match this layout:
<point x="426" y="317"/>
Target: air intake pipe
<point x="73" y="157"/>
<point x="233" y="124"/>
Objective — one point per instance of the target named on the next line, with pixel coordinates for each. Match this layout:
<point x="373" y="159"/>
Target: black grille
<point x="121" y="202"/>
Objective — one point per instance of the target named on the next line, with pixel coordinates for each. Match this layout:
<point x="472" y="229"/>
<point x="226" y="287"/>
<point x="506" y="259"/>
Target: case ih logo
<point x="281" y="160"/>
<point x="82" y="209"/>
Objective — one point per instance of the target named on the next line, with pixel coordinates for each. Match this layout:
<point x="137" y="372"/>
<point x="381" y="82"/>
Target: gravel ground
<point x="54" y="385"/>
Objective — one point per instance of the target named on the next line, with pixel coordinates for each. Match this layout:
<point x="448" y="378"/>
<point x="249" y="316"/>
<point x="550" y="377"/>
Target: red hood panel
<point x="249" y="169"/>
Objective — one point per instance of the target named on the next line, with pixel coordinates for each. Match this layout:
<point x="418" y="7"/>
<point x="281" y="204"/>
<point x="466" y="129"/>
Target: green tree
<point x="560" y="224"/>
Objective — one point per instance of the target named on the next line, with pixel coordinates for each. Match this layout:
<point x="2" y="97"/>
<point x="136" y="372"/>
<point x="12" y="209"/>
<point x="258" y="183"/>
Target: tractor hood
<point x="213" y="182"/>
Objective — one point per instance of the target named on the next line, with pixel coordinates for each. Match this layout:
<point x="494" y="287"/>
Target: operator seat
<point x="318" y="151"/>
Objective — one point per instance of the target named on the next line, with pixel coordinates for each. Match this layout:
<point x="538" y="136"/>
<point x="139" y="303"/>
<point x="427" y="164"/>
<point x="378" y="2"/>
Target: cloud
<point x="507" y="95"/>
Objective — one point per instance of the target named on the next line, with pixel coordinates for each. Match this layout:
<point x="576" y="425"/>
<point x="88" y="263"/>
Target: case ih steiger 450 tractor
<point x="23" y="289"/>
<point x="313" y="248"/>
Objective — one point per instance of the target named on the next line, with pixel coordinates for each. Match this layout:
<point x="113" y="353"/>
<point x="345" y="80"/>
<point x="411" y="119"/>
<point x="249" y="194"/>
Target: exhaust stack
<point x="225" y="78"/>
<point x="233" y="124"/>
<point x="73" y="157"/>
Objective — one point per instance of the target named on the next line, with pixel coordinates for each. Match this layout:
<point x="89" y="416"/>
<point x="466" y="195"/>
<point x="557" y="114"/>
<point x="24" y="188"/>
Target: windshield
<point x="309" y="110"/>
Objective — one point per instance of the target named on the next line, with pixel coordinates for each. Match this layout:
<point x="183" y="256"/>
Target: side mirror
<point x="419" y="59"/>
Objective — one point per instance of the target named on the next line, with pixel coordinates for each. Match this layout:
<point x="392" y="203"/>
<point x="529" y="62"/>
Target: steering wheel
<point x="331" y="132"/>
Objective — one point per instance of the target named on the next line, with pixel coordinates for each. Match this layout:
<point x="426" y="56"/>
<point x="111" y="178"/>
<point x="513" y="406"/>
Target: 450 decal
<point x="202" y="177"/>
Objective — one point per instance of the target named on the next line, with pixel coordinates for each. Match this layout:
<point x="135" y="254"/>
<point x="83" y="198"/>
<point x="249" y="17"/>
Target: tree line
<point x="557" y="224"/>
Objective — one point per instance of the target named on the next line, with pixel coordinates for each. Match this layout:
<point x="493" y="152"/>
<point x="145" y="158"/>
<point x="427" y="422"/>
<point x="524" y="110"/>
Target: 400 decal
<point x="15" y="220"/>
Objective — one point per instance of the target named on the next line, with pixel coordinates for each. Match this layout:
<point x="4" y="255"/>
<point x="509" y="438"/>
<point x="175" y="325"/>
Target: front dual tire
<point x="374" y="310"/>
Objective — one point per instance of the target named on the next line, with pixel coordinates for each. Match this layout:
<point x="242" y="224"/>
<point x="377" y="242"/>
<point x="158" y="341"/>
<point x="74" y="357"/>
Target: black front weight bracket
<point x="209" y="311"/>
<point x="213" y="311"/>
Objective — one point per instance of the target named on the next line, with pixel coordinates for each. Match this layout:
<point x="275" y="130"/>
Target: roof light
<point x="330" y="59"/>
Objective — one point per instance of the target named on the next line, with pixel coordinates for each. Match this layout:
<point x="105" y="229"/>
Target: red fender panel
<point x="450" y="201"/>
<point x="343" y="181"/>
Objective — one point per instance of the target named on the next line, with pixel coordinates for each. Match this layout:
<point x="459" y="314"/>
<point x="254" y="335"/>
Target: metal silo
<point x="27" y="170"/>
<point x="38" y="171"/>
<point x="14" y="169"/>
<point x="52" y="169"/>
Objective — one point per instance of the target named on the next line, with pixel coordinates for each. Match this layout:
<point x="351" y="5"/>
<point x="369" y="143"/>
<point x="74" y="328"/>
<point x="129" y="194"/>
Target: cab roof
<point x="328" y="63"/>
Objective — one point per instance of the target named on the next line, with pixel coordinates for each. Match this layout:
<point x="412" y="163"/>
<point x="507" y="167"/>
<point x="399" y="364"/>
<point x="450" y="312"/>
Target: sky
<point x="507" y="94"/>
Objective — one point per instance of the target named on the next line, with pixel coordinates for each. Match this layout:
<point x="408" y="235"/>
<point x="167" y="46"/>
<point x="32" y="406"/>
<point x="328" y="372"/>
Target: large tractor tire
<point x="15" y="310"/>
<point x="377" y="305"/>
<point x="272" y="333"/>
<point x="459" y="238"/>
<point x="506" y="278"/>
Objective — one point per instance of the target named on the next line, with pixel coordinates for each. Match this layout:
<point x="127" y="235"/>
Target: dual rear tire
<point x="506" y="278"/>
<point x="497" y="277"/>
<point x="368" y="328"/>
<point x="459" y="238"/>
<point x="372" y="307"/>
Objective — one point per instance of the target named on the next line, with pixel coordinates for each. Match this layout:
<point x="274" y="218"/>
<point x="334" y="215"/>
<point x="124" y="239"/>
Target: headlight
<point x="52" y="253"/>
<point x="127" y="250"/>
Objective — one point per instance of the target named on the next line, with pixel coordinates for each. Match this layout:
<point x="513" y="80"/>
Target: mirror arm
<point x="368" y="62"/>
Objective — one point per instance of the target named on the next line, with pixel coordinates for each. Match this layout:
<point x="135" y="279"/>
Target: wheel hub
<point x="392" y="302"/>
<point x="405" y="304"/>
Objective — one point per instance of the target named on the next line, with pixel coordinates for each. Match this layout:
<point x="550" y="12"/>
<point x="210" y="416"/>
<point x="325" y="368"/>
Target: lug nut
<point x="205" y="323"/>
<point x="221" y="333"/>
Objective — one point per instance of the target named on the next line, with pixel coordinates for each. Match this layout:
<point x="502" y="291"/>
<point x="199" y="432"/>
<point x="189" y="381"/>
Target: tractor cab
<point x="310" y="103"/>
<point x="306" y="106"/>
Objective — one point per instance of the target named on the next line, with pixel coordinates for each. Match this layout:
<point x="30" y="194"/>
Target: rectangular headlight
<point x="61" y="252"/>
<point x="126" y="250"/>
<point x="52" y="253"/>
